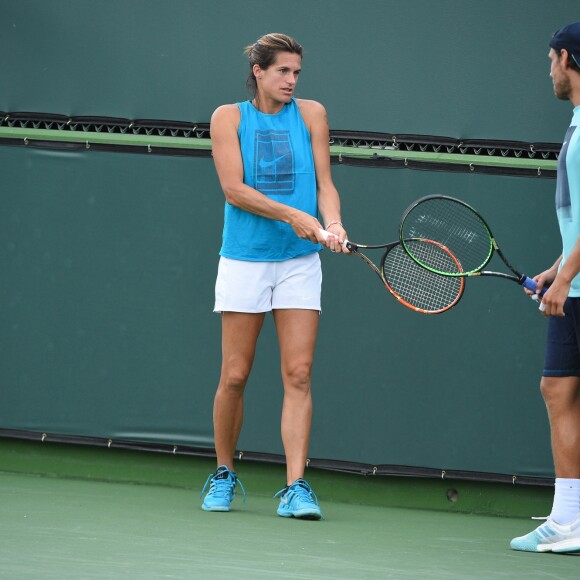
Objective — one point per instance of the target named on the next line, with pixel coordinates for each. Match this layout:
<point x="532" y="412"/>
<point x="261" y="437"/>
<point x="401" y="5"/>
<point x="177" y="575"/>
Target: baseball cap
<point x="568" y="38"/>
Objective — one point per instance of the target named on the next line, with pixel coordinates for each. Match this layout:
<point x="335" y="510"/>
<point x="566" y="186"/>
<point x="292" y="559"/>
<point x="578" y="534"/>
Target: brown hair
<point x="264" y="51"/>
<point x="571" y="61"/>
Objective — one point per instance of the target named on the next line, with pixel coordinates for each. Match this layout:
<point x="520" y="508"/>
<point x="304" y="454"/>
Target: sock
<point x="223" y="472"/>
<point x="566" y="500"/>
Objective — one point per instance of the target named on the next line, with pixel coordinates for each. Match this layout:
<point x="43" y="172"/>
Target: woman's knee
<point x="298" y="377"/>
<point x="234" y="378"/>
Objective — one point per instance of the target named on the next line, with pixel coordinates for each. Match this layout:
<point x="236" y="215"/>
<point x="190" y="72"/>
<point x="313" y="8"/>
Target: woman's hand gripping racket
<point x="460" y="229"/>
<point x="413" y="286"/>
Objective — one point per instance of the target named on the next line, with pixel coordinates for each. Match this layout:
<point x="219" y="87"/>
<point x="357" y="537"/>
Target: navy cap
<point x="568" y="38"/>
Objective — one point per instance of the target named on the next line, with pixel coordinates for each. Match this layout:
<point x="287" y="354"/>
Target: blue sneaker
<point x="222" y="490"/>
<point x="550" y="537"/>
<point x="298" y="501"/>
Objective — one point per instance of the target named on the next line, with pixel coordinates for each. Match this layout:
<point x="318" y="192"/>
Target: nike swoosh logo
<point x="265" y="164"/>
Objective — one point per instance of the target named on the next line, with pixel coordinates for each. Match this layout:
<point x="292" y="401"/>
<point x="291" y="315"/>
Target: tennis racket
<point x="460" y="229"/>
<point x="414" y="287"/>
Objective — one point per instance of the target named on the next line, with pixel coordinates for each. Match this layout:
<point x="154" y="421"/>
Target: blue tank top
<point x="278" y="162"/>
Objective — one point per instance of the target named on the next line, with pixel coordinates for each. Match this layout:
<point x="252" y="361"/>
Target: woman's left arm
<point x="314" y="115"/>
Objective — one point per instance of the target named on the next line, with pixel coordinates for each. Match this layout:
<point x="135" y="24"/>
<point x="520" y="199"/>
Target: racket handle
<point x="532" y="285"/>
<point x="325" y="235"/>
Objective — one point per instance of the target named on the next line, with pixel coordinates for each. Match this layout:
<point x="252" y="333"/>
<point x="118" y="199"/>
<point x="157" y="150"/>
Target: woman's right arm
<point x="230" y="169"/>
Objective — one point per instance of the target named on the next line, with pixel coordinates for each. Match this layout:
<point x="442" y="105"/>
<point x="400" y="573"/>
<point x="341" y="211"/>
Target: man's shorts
<point x="253" y="287"/>
<point x="563" y="342"/>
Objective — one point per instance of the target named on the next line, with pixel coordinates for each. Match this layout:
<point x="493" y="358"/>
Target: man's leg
<point x="561" y="532"/>
<point x="562" y="397"/>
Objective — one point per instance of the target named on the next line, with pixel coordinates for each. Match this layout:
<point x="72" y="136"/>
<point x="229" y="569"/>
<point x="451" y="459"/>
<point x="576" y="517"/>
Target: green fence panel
<point x="108" y="265"/>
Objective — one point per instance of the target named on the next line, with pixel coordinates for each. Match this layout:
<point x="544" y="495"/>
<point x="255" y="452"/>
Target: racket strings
<point x="420" y="288"/>
<point x="454" y="225"/>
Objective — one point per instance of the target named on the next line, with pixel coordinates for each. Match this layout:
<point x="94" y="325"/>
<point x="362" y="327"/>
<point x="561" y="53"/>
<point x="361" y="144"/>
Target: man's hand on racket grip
<point x="554" y="298"/>
<point x="552" y="302"/>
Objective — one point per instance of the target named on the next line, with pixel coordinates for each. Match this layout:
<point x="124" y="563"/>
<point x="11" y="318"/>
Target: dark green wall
<point x="458" y="68"/>
<point x="108" y="260"/>
<point x="108" y="264"/>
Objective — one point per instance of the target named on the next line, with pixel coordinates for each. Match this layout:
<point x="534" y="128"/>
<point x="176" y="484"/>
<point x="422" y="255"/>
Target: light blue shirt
<point x="568" y="193"/>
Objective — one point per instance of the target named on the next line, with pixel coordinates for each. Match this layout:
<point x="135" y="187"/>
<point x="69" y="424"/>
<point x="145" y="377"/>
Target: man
<point x="560" y="384"/>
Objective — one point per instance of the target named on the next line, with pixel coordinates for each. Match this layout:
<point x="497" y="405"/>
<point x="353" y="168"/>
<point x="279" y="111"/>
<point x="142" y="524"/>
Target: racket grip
<point x="325" y="235"/>
<point x="532" y="285"/>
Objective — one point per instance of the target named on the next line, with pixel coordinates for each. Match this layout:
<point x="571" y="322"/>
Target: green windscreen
<point x="109" y="263"/>
<point x="109" y="236"/>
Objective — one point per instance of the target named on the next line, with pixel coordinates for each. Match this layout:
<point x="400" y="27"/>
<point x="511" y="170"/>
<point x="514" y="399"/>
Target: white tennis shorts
<point x="253" y="287"/>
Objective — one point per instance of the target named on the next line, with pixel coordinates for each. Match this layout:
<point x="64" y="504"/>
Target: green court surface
<point x="80" y="513"/>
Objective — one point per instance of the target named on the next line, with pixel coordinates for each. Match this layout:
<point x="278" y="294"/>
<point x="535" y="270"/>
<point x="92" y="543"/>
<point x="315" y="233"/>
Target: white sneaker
<point x="550" y="537"/>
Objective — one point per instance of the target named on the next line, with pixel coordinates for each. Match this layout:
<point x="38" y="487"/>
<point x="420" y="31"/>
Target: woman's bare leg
<point x="297" y="330"/>
<point x="240" y="333"/>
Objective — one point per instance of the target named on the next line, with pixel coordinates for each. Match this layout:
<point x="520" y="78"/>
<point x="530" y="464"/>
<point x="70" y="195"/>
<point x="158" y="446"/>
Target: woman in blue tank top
<point x="273" y="163"/>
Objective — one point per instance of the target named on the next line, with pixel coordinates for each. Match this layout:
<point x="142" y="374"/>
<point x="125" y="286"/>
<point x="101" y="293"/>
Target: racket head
<point x="416" y="287"/>
<point x="453" y="224"/>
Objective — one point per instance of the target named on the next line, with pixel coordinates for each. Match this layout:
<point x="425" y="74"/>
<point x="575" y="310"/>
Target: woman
<point x="272" y="158"/>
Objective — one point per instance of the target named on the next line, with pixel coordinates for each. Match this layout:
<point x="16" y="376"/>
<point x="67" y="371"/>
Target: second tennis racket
<point x="459" y="228"/>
